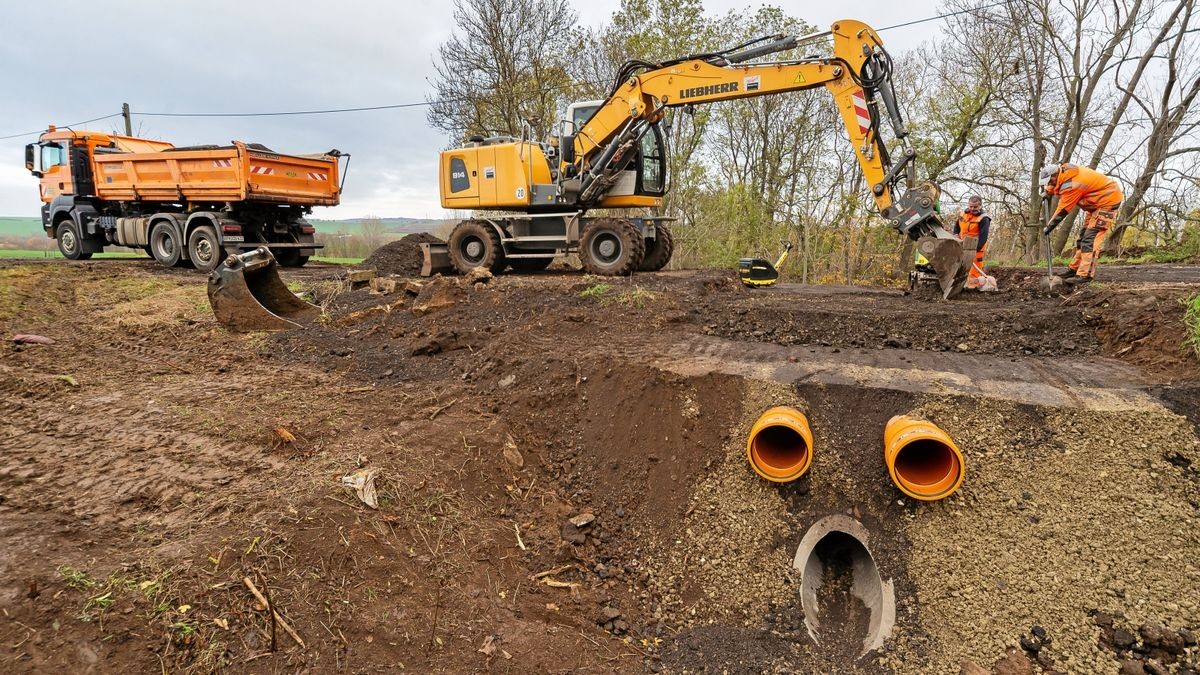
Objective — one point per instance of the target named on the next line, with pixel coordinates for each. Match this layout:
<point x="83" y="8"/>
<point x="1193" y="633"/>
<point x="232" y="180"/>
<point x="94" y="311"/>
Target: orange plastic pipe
<point x="923" y="460"/>
<point x="779" y="446"/>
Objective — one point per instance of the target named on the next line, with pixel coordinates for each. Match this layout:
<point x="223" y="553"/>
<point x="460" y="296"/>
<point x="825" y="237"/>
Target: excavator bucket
<point x="435" y="259"/>
<point x="950" y="259"/>
<point x="246" y="294"/>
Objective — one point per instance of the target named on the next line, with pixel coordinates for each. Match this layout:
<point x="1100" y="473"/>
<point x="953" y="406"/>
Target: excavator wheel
<point x="658" y="249"/>
<point x="611" y="247"/>
<point x="474" y="244"/>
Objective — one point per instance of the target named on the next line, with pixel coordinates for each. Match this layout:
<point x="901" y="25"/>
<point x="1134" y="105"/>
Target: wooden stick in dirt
<point x="277" y="617"/>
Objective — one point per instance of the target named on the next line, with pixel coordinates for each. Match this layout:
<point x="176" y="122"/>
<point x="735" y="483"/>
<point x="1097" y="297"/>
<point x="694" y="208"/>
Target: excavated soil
<point x="562" y="483"/>
<point x="401" y="257"/>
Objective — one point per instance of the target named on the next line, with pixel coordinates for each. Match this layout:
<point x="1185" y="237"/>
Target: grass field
<point x="20" y="227"/>
<point x="25" y="253"/>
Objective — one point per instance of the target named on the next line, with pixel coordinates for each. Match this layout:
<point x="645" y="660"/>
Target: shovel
<point x="1051" y="283"/>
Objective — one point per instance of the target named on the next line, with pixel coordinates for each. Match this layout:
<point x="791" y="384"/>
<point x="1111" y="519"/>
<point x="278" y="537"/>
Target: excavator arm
<point x="857" y="75"/>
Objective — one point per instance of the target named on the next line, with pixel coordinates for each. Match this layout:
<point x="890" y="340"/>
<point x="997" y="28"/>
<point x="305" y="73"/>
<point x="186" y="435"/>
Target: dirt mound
<point x="401" y="257"/>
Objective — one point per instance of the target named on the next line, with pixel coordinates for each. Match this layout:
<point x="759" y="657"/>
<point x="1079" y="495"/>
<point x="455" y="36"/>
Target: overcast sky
<point x="89" y="56"/>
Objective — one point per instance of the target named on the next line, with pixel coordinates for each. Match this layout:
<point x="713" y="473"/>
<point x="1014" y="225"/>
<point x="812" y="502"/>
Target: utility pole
<point x="128" y="121"/>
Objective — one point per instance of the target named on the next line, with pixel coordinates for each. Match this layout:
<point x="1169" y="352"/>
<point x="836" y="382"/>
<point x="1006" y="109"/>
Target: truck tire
<point x="69" y="243"/>
<point x="290" y="257"/>
<point x="659" y="249"/>
<point x="164" y="244"/>
<point x="474" y="244"/>
<point x="204" y="249"/>
<point x="611" y="247"/>
<point x="530" y="264"/>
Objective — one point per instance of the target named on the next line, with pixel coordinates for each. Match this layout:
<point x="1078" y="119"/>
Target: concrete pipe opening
<point x="849" y="608"/>
<point x="779" y="446"/>
<point x="922" y="459"/>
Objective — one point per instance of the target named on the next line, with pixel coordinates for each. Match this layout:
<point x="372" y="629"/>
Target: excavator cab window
<point x="653" y="168"/>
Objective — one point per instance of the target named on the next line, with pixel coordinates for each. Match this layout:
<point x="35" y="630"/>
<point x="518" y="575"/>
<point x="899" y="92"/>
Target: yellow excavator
<point x="532" y="198"/>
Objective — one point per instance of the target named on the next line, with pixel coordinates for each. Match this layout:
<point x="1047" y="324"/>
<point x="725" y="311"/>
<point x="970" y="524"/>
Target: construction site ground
<point x="151" y="462"/>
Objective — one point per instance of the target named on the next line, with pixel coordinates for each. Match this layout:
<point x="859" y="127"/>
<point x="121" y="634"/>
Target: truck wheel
<point x="658" y="249"/>
<point x="204" y="249"/>
<point x="531" y="264"/>
<point x="164" y="245"/>
<point x="68" y="242"/>
<point x="474" y="244"/>
<point x="611" y="247"/>
<point x="290" y="257"/>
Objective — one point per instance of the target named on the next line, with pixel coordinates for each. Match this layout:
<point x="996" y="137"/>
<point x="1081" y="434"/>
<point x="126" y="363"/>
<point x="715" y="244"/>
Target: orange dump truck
<point x="183" y="206"/>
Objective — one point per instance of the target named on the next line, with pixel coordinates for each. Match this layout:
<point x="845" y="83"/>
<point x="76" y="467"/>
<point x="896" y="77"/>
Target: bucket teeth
<point x="246" y="294"/>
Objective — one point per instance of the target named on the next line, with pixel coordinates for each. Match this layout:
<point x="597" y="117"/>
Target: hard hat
<point x="1046" y="177"/>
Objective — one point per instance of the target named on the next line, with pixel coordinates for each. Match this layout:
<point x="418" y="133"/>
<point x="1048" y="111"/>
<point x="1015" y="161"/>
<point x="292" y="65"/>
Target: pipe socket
<point x="922" y="459"/>
<point x="780" y="445"/>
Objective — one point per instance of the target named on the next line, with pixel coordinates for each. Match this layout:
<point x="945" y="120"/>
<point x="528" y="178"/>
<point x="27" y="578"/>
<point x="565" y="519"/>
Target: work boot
<point x="1065" y="274"/>
<point x="1078" y="280"/>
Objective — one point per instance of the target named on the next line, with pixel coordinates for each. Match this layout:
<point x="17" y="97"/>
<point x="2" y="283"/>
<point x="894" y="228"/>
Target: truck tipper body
<point x="182" y="205"/>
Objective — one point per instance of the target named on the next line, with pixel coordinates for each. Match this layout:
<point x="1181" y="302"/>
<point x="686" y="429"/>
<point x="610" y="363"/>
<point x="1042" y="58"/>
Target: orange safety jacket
<point x="974" y="225"/>
<point x="1086" y="188"/>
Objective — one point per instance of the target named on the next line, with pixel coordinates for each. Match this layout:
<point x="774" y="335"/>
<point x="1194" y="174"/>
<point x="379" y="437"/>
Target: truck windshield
<point x="52" y="155"/>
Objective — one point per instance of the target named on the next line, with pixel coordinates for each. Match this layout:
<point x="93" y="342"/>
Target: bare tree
<point x="504" y="64"/>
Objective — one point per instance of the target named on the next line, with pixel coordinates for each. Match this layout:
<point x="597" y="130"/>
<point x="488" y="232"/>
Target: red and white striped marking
<point x="861" y="112"/>
<point x="316" y="175"/>
<point x="262" y="170"/>
<point x="222" y="163"/>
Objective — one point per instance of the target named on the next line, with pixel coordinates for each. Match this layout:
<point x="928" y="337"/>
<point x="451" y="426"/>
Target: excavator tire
<point x="659" y="249"/>
<point x="611" y="247"/>
<point x="474" y="244"/>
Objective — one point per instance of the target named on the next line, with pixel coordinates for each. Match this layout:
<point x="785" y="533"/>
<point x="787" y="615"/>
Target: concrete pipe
<point x="780" y="445"/>
<point x="922" y="459"/>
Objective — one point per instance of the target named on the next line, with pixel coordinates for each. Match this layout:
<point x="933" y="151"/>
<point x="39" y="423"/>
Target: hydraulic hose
<point x="922" y="459"/>
<point x="779" y="446"/>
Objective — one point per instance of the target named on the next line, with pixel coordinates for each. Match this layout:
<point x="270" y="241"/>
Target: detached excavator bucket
<point x="951" y="259"/>
<point x="435" y="259"/>
<point x="246" y="294"/>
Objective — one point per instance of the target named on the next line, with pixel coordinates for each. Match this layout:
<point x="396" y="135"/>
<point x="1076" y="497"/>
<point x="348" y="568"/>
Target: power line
<point x="396" y="106"/>
<point x="66" y="126"/>
<point x="941" y="16"/>
<point x="297" y="112"/>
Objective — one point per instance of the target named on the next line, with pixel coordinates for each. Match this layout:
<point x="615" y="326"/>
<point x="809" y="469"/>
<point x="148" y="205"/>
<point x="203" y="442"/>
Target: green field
<point x="25" y="253"/>
<point x="20" y="227"/>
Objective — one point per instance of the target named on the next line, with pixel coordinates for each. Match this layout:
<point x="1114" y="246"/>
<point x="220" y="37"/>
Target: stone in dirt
<point x="1132" y="667"/>
<point x="572" y="534"/>
<point x="436" y="295"/>
<point x="21" y="339"/>
<point x="609" y="614"/>
<point x="583" y="519"/>
<point x="478" y="274"/>
<point x="381" y="286"/>
<point x="1014" y="663"/>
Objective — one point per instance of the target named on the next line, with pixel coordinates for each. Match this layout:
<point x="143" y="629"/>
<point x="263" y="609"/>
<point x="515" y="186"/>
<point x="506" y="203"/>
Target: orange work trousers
<point x="976" y="269"/>
<point x="1087" y="248"/>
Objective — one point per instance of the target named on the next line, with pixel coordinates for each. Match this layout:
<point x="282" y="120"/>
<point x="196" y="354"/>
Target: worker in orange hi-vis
<point x="1098" y="195"/>
<point x="973" y="222"/>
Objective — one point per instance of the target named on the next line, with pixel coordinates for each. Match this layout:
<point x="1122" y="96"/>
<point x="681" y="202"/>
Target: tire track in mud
<point x="115" y="465"/>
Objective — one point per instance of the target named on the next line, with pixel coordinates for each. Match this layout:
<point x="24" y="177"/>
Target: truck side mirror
<point x="567" y="147"/>
<point x="30" y="156"/>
